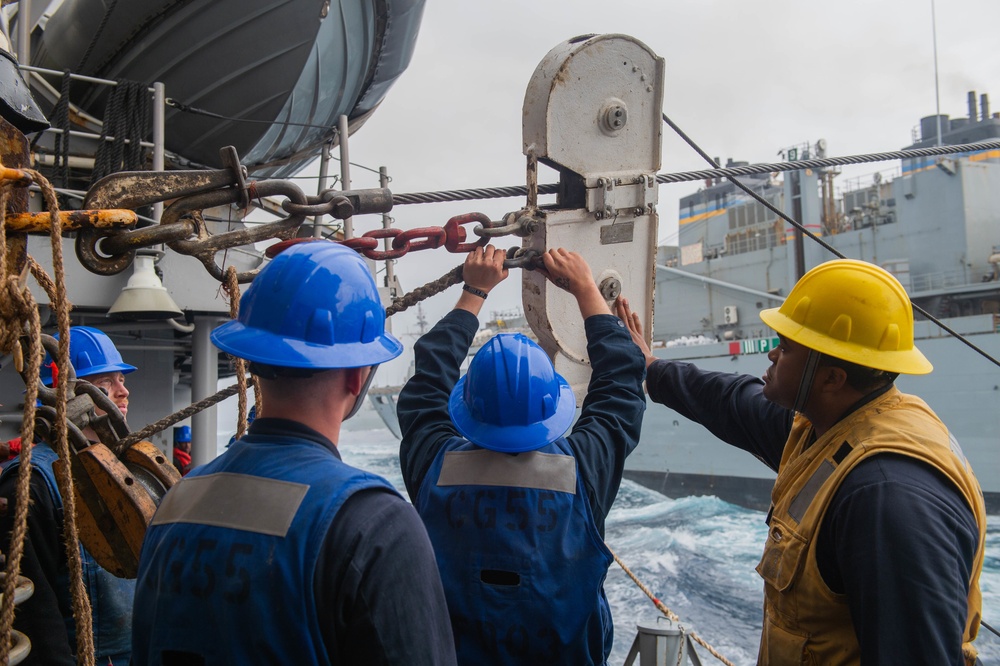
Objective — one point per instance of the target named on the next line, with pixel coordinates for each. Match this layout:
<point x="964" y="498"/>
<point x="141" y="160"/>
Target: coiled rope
<point x="20" y="310"/>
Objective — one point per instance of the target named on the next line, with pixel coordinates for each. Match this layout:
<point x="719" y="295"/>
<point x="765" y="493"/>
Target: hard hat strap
<point x="808" y="376"/>
<point x="364" y="391"/>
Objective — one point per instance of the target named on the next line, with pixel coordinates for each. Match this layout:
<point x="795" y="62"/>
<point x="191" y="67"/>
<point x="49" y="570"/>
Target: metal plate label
<point x="620" y="232"/>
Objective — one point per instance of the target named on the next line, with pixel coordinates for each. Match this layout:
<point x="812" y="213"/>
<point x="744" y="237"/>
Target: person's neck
<point x="834" y="408"/>
<point x="325" y="422"/>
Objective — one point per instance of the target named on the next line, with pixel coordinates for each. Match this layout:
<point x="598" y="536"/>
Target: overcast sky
<point x="743" y="79"/>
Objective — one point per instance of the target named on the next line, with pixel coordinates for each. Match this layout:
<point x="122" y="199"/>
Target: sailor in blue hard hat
<point x="318" y="561"/>
<point x="513" y="498"/>
<point x="512" y="399"/>
<point x="182" y="449"/>
<point x="96" y="359"/>
<point x="46" y="617"/>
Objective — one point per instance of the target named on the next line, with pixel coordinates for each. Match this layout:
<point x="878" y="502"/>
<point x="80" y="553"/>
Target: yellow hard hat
<point x="854" y="311"/>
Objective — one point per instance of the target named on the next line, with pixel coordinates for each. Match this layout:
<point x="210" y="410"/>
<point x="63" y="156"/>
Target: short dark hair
<point x="265" y="371"/>
<point x="860" y="377"/>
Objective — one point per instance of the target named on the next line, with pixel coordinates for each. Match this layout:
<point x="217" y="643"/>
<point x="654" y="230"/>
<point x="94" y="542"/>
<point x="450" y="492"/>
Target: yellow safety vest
<point x="804" y="621"/>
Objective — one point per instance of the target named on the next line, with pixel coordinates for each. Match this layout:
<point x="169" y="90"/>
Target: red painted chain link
<point x="455" y="234"/>
<point x="452" y="236"/>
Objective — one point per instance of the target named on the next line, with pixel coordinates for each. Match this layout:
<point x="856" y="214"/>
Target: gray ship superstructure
<point x="935" y="224"/>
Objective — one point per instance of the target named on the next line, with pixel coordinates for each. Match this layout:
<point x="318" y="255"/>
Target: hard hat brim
<point x="908" y="362"/>
<point x="261" y="346"/>
<point x="123" y="368"/>
<point x="514" y="438"/>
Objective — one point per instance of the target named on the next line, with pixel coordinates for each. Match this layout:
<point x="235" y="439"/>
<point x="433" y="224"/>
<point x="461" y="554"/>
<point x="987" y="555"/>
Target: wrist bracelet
<point x="475" y="292"/>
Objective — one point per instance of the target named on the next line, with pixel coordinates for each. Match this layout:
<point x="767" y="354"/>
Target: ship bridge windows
<point x="753" y="214"/>
<point x="753" y="239"/>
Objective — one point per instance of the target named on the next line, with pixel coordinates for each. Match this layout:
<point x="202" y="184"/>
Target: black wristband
<point x="475" y="292"/>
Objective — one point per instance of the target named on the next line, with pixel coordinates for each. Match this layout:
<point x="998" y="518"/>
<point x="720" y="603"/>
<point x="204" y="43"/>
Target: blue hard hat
<point x="91" y="352"/>
<point x="512" y="400"/>
<point x="314" y="306"/>
<point x="182" y="434"/>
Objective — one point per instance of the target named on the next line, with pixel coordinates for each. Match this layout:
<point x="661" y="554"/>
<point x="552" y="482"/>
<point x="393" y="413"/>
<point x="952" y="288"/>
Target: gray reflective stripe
<point x="237" y="501"/>
<point x="543" y="471"/>
<point x="798" y="507"/>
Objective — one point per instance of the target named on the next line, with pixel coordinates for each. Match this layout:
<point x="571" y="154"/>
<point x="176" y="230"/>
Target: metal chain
<point x="107" y="252"/>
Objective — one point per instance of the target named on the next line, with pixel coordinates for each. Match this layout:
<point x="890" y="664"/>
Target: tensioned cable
<point x="684" y="176"/>
<point x="918" y="152"/>
<point x="731" y="173"/>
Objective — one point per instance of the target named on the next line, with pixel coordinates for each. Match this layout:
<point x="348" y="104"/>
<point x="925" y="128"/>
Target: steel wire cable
<point x="920" y="152"/>
<point x="687" y="176"/>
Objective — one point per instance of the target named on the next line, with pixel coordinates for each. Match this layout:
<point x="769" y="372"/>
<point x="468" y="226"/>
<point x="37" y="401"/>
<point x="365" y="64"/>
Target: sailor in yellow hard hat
<point x="877" y="523"/>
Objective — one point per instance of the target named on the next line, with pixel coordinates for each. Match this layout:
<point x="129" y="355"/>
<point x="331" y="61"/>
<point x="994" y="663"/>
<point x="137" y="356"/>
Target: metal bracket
<point x="629" y="196"/>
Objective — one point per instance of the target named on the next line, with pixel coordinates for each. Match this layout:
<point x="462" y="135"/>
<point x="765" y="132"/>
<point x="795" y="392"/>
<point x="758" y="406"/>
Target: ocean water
<point x="696" y="554"/>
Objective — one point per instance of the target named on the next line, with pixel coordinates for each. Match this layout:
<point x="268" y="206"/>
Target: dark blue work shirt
<point x="376" y="569"/>
<point x="894" y="523"/>
<point x="606" y="432"/>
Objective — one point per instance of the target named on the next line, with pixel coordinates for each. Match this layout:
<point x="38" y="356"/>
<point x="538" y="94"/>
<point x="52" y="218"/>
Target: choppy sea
<point x="696" y="554"/>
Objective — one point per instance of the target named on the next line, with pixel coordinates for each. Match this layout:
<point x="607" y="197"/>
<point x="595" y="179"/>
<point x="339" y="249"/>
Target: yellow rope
<point x="232" y="287"/>
<point x="667" y="612"/>
<point x="64" y="479"/>
<point x="17" y="307"/>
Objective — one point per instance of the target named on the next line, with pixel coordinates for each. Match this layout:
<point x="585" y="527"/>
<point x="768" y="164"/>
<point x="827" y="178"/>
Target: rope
<point x="232" y="287"/>
<point x="125" y="118"/>
<point x="61" y="306"/>
<point x="60" y="120"/>
<point x="22" y="493"/>
<point x="97" y="35"/>
<point x="42" y="278"/>
<point x="176" y="417"/>
<point x="454" y="276"/>
<point x="16" y="308"/>
<point x="667" y="612"/>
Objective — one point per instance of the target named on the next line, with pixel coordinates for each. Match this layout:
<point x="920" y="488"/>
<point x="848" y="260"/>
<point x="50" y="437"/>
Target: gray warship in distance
<point x="934" y="223"/>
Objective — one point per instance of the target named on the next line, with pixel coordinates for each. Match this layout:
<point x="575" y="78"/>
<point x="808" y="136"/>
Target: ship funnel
<point x="984" y="107"/>
<point x="972" y="106"/>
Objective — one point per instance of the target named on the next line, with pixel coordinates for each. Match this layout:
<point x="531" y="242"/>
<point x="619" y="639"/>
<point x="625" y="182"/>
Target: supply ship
<point x="933" y="222"/>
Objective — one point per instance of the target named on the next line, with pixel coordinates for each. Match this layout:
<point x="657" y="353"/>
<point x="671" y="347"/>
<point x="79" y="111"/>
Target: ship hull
<point x="678" y="457"/>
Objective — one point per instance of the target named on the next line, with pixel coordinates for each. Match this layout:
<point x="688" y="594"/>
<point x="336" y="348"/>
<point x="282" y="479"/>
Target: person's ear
<point x="354" y="380"/>
<point x="831" y="378"/>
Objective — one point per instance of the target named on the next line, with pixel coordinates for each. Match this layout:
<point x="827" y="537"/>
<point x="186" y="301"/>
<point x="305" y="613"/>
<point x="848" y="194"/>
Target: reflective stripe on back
<point x="541" y="471"/>
<point x="237" y="501"/>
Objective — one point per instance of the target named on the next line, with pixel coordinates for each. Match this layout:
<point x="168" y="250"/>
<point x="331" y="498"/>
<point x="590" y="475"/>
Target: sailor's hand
<point x="569" y="270"/>
<point x="484" y="269"/>
<point x="634" y="326"/>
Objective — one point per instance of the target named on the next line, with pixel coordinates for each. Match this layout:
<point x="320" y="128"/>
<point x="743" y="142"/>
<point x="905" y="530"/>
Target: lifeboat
<point x="269" y="77"/>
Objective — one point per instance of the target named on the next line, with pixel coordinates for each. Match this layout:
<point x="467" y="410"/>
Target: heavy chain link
<point x="183" y="229"/>
<point x="452" y="236"/>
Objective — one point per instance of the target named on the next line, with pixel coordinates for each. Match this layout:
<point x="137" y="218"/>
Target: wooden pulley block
<point x="113" y="508"/>
<point x="145" y="460"/>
